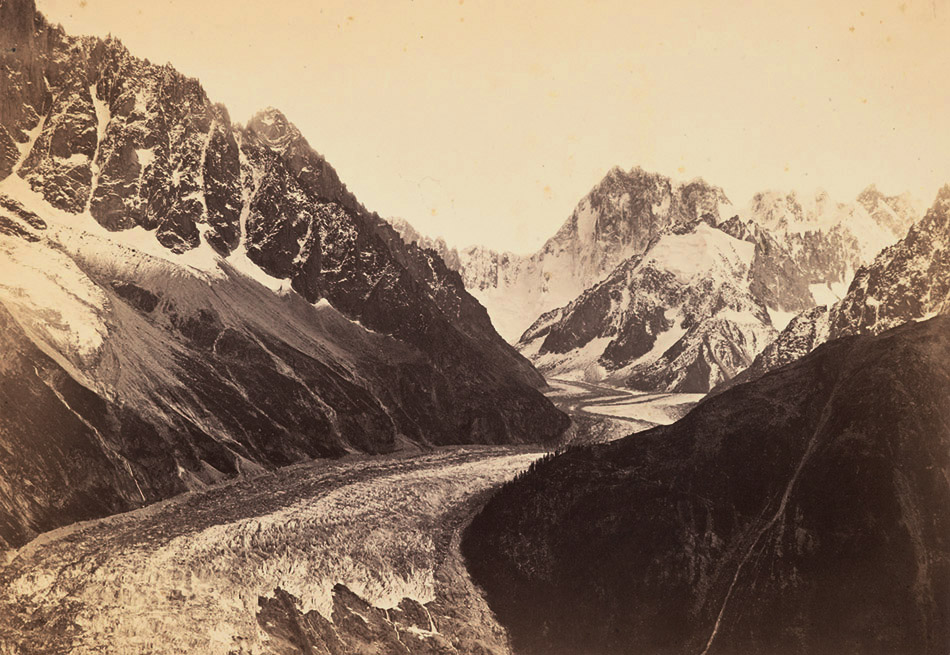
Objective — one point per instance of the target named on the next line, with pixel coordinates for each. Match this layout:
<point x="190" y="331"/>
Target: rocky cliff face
<point x="807" y="512"/>
<point x="446" y="253"/>
<point x="849" y="233"/>
<point x="186" y="299"/>
<point x="829" y="240"/>
<point x="908" y="281"/>
<point x="776" y="277"/>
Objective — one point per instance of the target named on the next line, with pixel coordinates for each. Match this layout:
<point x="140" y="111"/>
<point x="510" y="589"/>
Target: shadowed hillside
<point x="808" y="512"/>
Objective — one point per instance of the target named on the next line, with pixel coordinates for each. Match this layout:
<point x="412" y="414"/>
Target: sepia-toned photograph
<point x="474" y="327"/>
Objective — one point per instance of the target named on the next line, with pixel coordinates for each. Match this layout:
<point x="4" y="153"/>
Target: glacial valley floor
<point x="325" y="556"/>
<point x="331" y="556"/>
<point x="604" y="413"/>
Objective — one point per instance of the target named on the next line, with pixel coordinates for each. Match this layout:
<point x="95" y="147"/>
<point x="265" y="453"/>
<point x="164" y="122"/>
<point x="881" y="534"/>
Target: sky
<point x="486" y="122"/>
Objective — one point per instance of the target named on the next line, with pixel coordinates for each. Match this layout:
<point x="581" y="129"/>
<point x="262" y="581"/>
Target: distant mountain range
<point x="617" y="219"/>
<point x="618" y="303"/>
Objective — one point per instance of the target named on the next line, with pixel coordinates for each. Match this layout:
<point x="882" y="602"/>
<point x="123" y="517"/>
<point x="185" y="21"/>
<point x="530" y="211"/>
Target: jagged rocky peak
<point x="868" y="223"/>
<point x="896" y="213"/>
<point x="811" y="245"/>
<point x="132" y="143"/>
<point x="410" y="234"/>
<point x="698" y="193"/>
<point x="631" y="207"/>
<point x="272" y="127"/>
<point x="791" y="210"/>
<point x="908" y="281"/>
<point x="270" y="134"/>
<point x="406" y="231"/>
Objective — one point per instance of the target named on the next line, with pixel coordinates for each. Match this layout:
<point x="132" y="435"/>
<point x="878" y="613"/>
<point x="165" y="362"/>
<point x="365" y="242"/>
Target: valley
<point x="324" y="554"/>
<point x="186" y="299"/>
<point x="242" y="413"/>
<point x="636" y="411"/>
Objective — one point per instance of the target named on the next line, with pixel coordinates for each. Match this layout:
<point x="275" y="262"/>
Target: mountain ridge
<point x="614" y="220"/>
<point x="807" y="245"/>
<point x="677" y="318"/>
<point x="647" y="327"/>
<point x="216" y="286"/>
<point x="908" y="281"/>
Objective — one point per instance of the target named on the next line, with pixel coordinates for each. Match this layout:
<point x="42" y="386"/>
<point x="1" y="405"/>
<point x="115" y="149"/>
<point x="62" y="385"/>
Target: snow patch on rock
<point x="696" y="253"/>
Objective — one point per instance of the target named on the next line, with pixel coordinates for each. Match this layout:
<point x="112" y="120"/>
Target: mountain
<point x="807" y="512"/>
<point x="617" y="219"/>
<point x="855" y="232"/>
<point x="184" y="299"/>
<point x="807" y="246"/>
<point x="909" y="281"/>
<point x="655" y="326"/>
<point x="830" y="240"/>
<point x="409" y="234"/>
<point x="680" y="317"/>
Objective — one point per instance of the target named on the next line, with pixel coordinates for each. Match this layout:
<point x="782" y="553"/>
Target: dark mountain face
<point x="628" y="209"/>
<point x="140" y="230"/>
<point x="908" y="281"/>
<point x="808" y="512"/>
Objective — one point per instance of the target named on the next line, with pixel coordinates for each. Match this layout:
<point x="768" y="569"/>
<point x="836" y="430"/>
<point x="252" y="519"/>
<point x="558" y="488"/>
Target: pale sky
<point x="486" y="122"/>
